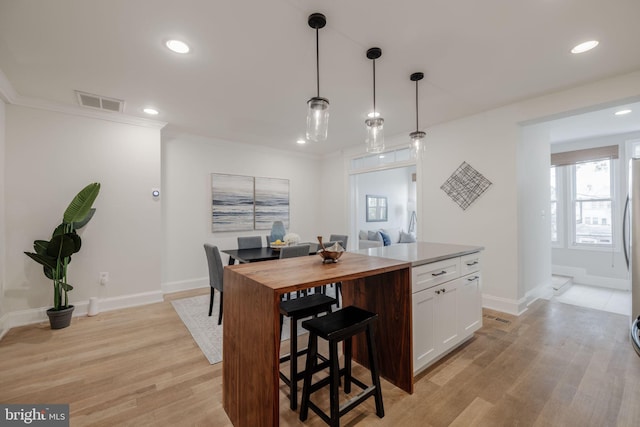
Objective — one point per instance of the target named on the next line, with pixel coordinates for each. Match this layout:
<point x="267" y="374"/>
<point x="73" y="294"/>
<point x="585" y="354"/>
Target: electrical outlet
<point x="103" y="278"/>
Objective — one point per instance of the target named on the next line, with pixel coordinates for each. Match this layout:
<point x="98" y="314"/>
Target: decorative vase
<point x="60" y="319"/>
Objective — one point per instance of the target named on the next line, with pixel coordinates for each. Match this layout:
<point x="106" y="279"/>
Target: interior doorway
<point x="391" y="189"/>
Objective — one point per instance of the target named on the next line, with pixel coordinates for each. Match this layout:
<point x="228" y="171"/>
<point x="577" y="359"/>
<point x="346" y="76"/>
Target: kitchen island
<point x="251" y="328"/>
<point x="416" y="291"/>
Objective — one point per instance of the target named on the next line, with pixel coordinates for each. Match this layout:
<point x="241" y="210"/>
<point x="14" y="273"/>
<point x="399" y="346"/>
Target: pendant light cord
<point x="374" y="88"/>
<point x="416" y="106"/>
<point x="317" y="62"/>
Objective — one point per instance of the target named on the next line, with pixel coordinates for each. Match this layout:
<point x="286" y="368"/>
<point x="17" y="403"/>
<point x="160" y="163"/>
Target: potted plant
<point x="55" y="255"/>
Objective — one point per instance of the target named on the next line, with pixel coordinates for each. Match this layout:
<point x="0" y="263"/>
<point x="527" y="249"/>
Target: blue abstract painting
<point x="272" y="202"/>
<point x="232" y="202"/>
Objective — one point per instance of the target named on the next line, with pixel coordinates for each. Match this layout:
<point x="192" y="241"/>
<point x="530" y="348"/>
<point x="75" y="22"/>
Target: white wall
<point x="2" y="210"/>
<point x="534" y="235"/>
<point x="488" y="142"/>
<point x="50" y="156"/>
<point x="187" y="164"/>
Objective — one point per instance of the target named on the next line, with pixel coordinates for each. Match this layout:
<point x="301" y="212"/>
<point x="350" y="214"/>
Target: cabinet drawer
<point x="469" y="263"/>
<point x="428" y="275"/>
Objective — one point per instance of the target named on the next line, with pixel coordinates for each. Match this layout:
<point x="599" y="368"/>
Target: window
<point x="592" y="200"/>
<point x="376" y="208"/>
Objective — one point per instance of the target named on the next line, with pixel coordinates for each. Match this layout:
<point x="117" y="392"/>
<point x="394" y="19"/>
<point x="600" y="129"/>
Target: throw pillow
<point x="406" y="237"/>
<point x="363" y="235"/>
<point x="385" y="238"/>
<point x="374" y="235"/>
<point x="393" y="233"/>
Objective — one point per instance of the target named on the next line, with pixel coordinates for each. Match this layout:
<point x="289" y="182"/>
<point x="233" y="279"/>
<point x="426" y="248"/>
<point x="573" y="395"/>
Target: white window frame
<point x="560" y="202"/>
<point x="615" y="209"/>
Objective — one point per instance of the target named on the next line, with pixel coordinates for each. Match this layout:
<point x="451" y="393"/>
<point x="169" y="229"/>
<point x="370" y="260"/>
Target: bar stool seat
<point x="297" y="309"/>
<point x="339" y="326"/>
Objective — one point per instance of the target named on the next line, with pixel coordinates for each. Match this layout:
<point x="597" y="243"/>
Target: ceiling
<point x="252" y="65"/>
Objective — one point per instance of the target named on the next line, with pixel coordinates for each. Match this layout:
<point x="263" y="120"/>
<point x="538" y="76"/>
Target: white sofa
<point x="374" y="239"/>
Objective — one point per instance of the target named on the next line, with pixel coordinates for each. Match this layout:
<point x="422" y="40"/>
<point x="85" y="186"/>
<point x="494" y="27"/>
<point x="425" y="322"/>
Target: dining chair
<point x="215" y="275"/>
<point x="249" y="242"/>
<point x="294" y="251"/>
<point x="342" y="238"/>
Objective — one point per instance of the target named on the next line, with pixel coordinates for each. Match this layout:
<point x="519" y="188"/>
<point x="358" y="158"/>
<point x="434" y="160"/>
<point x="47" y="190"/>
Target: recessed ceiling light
<point x="583" y="47"/>
<point x="178" y="46"/>
<point x="381" y="156"/>
<point x="151" y="111"/>
<point x="622" y="112"/>
<point x="372" y="115"/>
<point x="301" y="141"/>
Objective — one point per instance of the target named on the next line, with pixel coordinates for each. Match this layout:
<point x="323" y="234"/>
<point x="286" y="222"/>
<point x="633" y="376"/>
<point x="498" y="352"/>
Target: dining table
<point x="264" y="253"/>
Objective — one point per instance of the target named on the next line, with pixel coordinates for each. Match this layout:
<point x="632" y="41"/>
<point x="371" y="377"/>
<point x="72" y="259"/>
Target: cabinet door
<point x="424" y="324"/>
<point x="447" y="313"/>
<point x="470" y="302"/>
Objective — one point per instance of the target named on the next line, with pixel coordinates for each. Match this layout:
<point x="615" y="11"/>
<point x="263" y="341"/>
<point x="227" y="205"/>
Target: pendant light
<point x="375" y="124"/>
<point x="417" y="143"/>
<point x="317" y="107"/>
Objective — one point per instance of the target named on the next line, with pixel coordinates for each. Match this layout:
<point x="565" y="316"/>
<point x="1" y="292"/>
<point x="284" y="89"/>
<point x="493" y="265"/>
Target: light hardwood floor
<point x="556" y="365"/>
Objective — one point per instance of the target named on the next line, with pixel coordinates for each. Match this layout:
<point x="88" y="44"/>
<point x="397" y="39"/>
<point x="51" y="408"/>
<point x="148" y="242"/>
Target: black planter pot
<point x="60" y="319"/>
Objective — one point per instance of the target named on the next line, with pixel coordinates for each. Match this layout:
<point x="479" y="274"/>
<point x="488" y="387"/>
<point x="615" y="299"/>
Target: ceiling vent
<point x="100" y="102"/>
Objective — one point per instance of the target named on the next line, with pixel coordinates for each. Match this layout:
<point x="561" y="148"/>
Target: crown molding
<point x="89" y="113"/>
<point x="9" y="95"/>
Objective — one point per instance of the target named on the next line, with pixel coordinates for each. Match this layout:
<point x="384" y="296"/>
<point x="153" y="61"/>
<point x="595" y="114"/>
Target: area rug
<point x="206" y="332"/>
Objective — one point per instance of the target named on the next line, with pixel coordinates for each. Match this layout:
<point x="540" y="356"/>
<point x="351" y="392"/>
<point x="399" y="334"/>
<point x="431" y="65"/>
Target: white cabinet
<point x="445" y="312"/>
<point x="469" y="304"/>
<point x="425" y="343"/>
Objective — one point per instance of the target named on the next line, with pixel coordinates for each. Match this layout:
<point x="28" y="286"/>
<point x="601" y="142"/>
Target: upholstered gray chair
<point x="294" y="251"/>
<point x="249" y="242"/>
<point x="342" y="238"/>
<point x="215" y="275"/>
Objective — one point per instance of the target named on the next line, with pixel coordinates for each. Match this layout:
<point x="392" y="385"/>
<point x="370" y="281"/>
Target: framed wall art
<point x="232" y="202"/>
<point x="242" y="203"/>
<point x="271" y="202"/>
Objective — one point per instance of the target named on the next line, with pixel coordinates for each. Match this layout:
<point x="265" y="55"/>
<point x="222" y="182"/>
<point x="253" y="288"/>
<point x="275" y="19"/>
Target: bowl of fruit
<point x="277" y="244"/>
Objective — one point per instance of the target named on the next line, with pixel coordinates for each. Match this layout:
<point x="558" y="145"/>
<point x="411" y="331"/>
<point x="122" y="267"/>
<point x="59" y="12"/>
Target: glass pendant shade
<point x="317" y="107"/>
<point x="375" y="124"/>
<point x="375" y="135"/>
<point x="317" y="119"/>
<point x="417" y="146"/>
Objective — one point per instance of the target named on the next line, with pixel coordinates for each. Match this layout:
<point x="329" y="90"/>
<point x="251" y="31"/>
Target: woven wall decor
<point x="465" y="185"/>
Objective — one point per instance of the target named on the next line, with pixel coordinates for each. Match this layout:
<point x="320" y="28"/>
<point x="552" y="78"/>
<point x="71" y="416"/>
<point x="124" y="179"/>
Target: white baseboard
<point x="37" y="315"/>
<point x="185" y="285"/>
<point x="580" y="275"/>
<point x="4" y="320"/>
<point x="505" y="305"/>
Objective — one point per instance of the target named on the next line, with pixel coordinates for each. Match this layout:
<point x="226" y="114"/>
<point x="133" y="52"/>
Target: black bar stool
<point x="338" y="326"/>
<point x="297" y="309"/>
